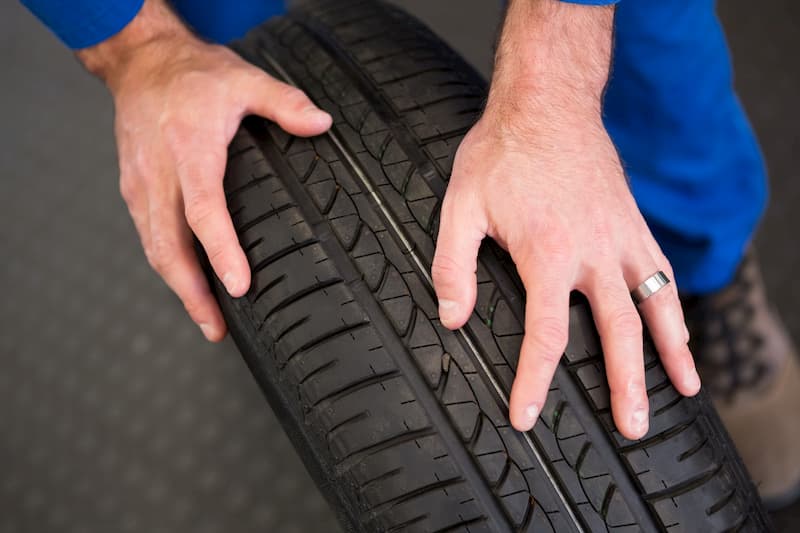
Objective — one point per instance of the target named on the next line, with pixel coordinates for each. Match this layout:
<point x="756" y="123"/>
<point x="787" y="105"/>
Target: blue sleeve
<point x="83" y="23"/>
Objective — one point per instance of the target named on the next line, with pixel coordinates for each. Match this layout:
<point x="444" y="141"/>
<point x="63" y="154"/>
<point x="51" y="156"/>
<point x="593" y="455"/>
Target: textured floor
<point x="114" y="414"/>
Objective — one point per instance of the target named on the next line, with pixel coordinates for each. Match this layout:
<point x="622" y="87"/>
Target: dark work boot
<point x="749" y="364"/>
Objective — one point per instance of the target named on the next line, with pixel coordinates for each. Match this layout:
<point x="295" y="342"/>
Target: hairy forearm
<point x="552" y="60"/>
<point x="153" y="26"/>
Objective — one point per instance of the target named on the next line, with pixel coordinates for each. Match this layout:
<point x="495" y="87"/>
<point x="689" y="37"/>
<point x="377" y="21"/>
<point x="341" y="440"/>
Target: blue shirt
<point x="83" y="23"/>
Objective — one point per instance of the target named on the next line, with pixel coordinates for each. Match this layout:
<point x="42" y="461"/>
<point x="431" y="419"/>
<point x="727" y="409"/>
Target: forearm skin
<point x="552" y="63"/>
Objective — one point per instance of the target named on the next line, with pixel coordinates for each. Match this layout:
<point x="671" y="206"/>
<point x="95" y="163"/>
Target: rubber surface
<point x="402" y="422"/>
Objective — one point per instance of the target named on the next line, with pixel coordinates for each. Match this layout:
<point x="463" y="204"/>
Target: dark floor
<point x="114" y="414"/>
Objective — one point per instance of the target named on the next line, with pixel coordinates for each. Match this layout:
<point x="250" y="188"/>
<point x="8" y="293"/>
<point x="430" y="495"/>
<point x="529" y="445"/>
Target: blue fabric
<point x="80" y="24"/>
<point x="222" y="21"/>
<point x="695" y="167"/>
<point x="83" y="23"/>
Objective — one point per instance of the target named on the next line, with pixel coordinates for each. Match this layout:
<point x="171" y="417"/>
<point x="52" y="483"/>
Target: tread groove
<point x="377" y="479"/>
<point x="318" y="370"/>
<point x="693" y="450"/>
<point x="354" y="457"/>
<point x="352" y="387"/>
<point x="721" y="503"/>
<point x="267" y="261"/>
<point x="373" y="187"/>
<point x="686" y="486"/>
<point x="263" y="290"/>
<point x="328" y="335"/>
<point x="291" y="328"/>
<point x="264" y="216"/>
<point x="410" y="495"/>
<point x="249" y="185"/>
<point x="296" y="297"/>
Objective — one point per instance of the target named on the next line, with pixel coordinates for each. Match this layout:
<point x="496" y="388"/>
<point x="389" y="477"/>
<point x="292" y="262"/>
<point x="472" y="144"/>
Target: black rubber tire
<point x="403" y="423"/>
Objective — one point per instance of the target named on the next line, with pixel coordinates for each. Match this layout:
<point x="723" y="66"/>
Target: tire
<point x="402" y="423"/>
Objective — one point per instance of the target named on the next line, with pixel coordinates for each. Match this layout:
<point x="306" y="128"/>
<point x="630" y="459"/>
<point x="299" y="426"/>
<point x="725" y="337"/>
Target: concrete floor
<point x="114" y="414"/>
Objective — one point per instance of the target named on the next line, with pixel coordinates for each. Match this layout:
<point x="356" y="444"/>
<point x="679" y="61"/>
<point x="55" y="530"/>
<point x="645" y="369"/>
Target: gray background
<point x="114" y="414"/>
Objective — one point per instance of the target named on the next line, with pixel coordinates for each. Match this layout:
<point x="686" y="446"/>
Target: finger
<point x="620" y="330"/>
<point x="664" y="317"/>
<point x="661" y="260"/>
<point x="679" y="367"/>
<point x="455" y="260"/>
<point x="175" y="259"/>
<point x="200" y="175"/>
<point x="547" y="288"/>
<point x="284" y="104"/>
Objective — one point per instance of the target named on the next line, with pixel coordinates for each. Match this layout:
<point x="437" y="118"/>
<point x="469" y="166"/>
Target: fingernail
<point x="639" y="421"/>
<point x="229" y="280"/>
<point x="447" y="310"/>
<point x="315" y="113"/>
<point x="686" y="334"/>
<point x="208" y="332"/>
<point x="531" y="415"/>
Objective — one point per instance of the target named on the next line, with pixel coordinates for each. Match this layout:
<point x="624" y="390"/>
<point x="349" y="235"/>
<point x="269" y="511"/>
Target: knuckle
<point x="634" y="386"/>
<point x="444" y="267"/>
<point x="143" y="166"/>
<point x="214" y="252"/>
<point x="550" y="358"/>
<point x="292" y="97"/>
<point x="666" y="266"/>
<point x="162" y="252"/>
<point x="449" y="205"/>
<point x="625" y="322"/>
<point x="126" y="189"/>
<point x="151" y="258"/>
<point x="193" y="306"/>
<point x="549" y="337"/>
<point x="198" y="209"/>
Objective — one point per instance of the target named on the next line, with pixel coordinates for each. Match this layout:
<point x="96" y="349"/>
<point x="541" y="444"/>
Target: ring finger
<point x="664" y="317"/>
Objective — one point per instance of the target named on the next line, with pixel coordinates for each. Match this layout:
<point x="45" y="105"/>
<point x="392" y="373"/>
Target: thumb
<point x="455" y="260"/>
<point x="285" y="105"/>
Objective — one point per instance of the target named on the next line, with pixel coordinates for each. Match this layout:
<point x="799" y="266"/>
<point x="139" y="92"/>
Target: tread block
<point x="342" y="309"/>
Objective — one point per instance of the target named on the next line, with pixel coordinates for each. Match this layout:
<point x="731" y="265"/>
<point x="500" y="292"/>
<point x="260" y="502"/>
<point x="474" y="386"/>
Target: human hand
<point x="554" y="195"/>
<point x="178" y="103"/>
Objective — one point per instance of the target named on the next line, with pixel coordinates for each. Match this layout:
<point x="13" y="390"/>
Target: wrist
<point x="150" y="35"/>
<point x="541" y="115"/>
<point x="552" y="62"/>
<point x="521" y="101"/>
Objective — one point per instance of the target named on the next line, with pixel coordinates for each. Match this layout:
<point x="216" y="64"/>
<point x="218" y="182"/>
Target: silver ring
<point x="649" y="287"/>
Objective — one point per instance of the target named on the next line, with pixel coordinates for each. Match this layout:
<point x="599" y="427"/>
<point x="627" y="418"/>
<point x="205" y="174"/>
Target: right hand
<point x="551" y="191"/>
<point x="179" y="102"/>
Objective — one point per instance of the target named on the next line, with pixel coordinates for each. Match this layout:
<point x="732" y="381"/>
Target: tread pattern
<point x="401" y="421"/>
